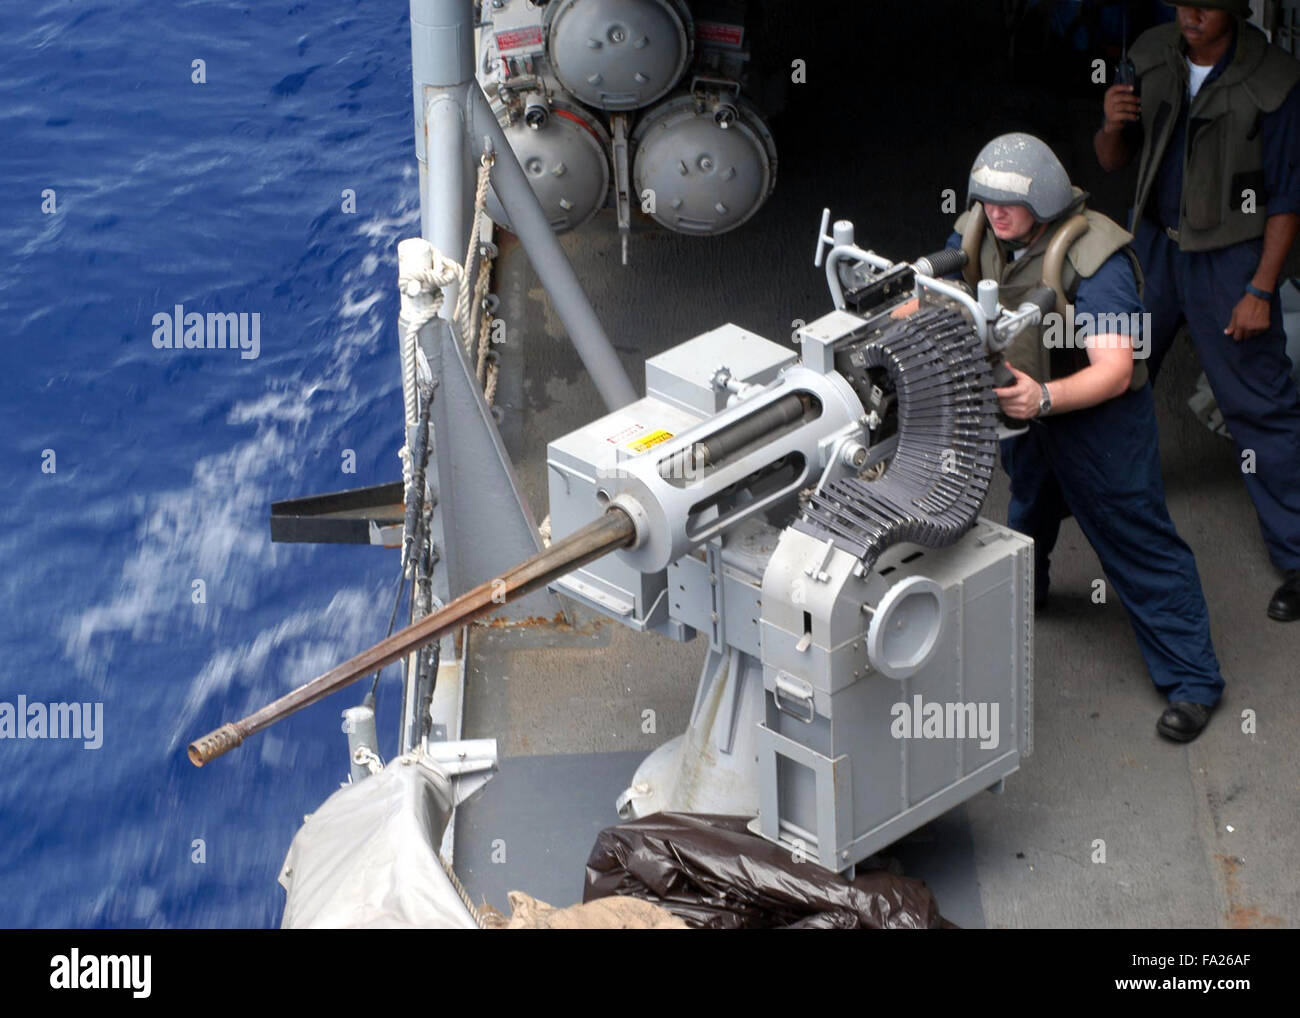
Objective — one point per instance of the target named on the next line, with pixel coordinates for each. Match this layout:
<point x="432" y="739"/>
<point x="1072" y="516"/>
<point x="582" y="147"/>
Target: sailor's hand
<point x="1250" y="318"/>
<point x="1121" y="106"/>
<point x="1020" y="401"/>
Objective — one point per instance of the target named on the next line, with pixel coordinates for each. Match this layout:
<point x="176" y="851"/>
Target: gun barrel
<point x="613" y="530"/>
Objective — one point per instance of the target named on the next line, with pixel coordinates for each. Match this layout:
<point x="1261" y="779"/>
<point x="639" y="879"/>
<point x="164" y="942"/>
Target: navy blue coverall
<point x="1101" y="465"/>
<point x="1251" y="379"/>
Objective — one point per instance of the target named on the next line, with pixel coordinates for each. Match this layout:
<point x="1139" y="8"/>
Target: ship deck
<point x="1202" y="835"/>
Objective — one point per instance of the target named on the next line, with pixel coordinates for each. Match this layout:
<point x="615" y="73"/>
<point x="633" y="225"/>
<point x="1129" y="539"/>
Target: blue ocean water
<point x="223" y="196"/>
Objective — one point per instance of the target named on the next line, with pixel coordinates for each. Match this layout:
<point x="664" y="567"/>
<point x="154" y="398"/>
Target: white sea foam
<point x="212" y="528"/>
<point x="317" y="639"/>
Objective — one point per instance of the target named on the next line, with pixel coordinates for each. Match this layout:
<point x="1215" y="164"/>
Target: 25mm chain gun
<point x="814" y="514"/>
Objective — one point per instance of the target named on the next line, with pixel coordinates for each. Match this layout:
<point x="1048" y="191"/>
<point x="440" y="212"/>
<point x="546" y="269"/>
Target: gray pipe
<point x="442" y="61"/>
<point x="550" y="262"/>
<point x="442" y="43"/>
<point x="359" y="724"/>
<point x="444" y="203"/>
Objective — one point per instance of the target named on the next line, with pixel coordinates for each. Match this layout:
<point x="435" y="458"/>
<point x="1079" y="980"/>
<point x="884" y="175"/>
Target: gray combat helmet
<point x="1019" y="169"/>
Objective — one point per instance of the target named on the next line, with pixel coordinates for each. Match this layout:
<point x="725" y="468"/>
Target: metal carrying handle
<point x="800" y="693"/>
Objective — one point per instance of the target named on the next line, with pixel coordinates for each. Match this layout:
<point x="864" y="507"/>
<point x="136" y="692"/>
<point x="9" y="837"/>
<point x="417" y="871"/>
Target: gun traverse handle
<point x="942" y="263"/>
<point x="1002" y="376"/>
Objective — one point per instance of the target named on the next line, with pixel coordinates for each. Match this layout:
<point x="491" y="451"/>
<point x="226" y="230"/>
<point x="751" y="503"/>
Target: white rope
<point x="431" y="282"/>
<point x="484" y="346"/>
<point x="479" y="318"/>
<point x="366" y="757"/>
<point x="443" y="272"/>
<point x="470" y="300"/>
<point x="409" y="348"/>
<point x="463" y="894"/>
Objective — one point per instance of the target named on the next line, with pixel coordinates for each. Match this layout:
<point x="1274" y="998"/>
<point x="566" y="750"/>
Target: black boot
<point x="1183" y="721"/>
<point x="1285" y="606"/>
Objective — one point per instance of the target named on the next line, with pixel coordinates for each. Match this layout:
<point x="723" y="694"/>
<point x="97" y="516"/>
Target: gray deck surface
<point x="1205" y="835"/>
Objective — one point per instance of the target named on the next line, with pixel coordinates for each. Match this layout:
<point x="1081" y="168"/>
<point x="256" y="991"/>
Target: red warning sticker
<point x="718" y="33"/>
<point x="518" y="38"/>
<point x="627" y="429"/>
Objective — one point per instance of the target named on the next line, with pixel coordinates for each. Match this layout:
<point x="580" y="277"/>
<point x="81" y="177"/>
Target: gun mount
<point x="815" y="515"/>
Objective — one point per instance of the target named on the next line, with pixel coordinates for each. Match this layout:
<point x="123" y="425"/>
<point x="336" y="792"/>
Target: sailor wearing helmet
<point x="1089" y="449"/>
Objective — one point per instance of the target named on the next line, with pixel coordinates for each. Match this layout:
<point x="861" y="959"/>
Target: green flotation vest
<point x="1224" y="194"/>
<point x="1028" y="352"/>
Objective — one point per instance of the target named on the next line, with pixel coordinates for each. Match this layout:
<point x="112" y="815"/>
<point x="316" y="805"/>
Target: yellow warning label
<point x="649" y="441"/>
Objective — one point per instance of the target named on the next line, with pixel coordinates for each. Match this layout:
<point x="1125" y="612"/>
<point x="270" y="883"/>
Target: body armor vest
<point x="1224" y="194"/>
<point x="1016" y="278"/>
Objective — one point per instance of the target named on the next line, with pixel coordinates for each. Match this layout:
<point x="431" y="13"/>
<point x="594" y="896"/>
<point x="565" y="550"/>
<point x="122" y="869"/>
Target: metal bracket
<point x="623" y="804"/>
<point x="357" y="516"/>
<point x="468" y="763"/>
<point x="622" y="177"/>
<point x="717" y="621"/>
<point x="701" y="83"/>
<point x="817" y="568"/>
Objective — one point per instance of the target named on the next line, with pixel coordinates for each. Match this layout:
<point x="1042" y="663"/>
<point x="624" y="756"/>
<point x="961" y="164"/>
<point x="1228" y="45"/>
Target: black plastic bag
<point x="714" y="874"/>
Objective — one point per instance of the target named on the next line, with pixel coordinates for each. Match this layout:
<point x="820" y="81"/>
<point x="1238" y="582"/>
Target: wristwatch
<point x="1045" y="404"/>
